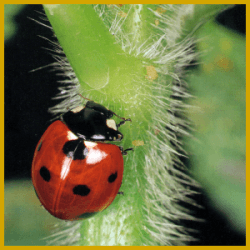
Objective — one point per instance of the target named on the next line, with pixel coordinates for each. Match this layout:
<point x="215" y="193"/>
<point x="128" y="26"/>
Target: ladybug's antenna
<point x="84" y="97"/>
<point x="124" y="119"/>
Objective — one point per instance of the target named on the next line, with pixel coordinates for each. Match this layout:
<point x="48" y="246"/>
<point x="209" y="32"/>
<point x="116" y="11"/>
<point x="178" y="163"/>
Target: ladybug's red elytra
<point x="74" y="172"/>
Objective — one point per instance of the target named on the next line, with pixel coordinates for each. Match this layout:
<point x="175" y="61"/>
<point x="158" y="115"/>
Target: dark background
<point x="28" y="95"/>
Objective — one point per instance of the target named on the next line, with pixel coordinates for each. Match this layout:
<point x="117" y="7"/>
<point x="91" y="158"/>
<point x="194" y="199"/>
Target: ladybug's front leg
<point x="124" y="152"/>
<point x="122" y="122"/>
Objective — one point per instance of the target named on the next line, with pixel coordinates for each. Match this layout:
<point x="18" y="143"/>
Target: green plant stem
<point x="98" y="62"/>
<point x="119" y="80"/>
<point x="114" y="78"/>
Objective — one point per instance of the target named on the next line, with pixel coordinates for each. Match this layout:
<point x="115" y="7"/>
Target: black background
<point x="28" y="95"/>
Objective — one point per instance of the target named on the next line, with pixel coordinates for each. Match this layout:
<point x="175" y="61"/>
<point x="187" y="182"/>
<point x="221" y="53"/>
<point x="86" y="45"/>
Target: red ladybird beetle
<point x="73" y="173"/>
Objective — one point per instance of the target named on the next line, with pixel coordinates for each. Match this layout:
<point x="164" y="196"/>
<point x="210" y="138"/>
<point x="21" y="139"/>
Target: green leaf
<point x="10" y="27"/>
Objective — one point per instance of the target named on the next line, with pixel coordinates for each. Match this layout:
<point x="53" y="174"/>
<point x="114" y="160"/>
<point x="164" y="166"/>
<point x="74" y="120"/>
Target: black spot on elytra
<point x="45" y="174"/>
<point x="82" y="190"/>
<point x="39" y="146"/>
<point x="112" y="177"/>
<point x="75" y="149"/>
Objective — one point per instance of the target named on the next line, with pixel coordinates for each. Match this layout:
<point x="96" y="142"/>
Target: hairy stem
<point x="130" y="59"/>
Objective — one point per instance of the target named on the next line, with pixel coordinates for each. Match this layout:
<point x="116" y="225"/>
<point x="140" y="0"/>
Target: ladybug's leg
<point x="128" y="149"/>
<point x="120" y="193"/>
<point x="124" y="152"/>
<point x="122" y="122"/>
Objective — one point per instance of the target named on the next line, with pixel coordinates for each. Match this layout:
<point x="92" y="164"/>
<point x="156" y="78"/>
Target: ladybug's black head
<point x="100" y="108"/>
<point x="92" y="123"/>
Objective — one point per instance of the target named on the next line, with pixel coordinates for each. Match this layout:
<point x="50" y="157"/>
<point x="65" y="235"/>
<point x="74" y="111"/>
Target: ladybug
<point x="74" y="172"/>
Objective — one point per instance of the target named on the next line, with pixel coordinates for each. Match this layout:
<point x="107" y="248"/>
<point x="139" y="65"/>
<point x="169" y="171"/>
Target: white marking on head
<point x="98" y="137"/>
<point x="77" y="109"/>
<point x="111" y="124"/>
